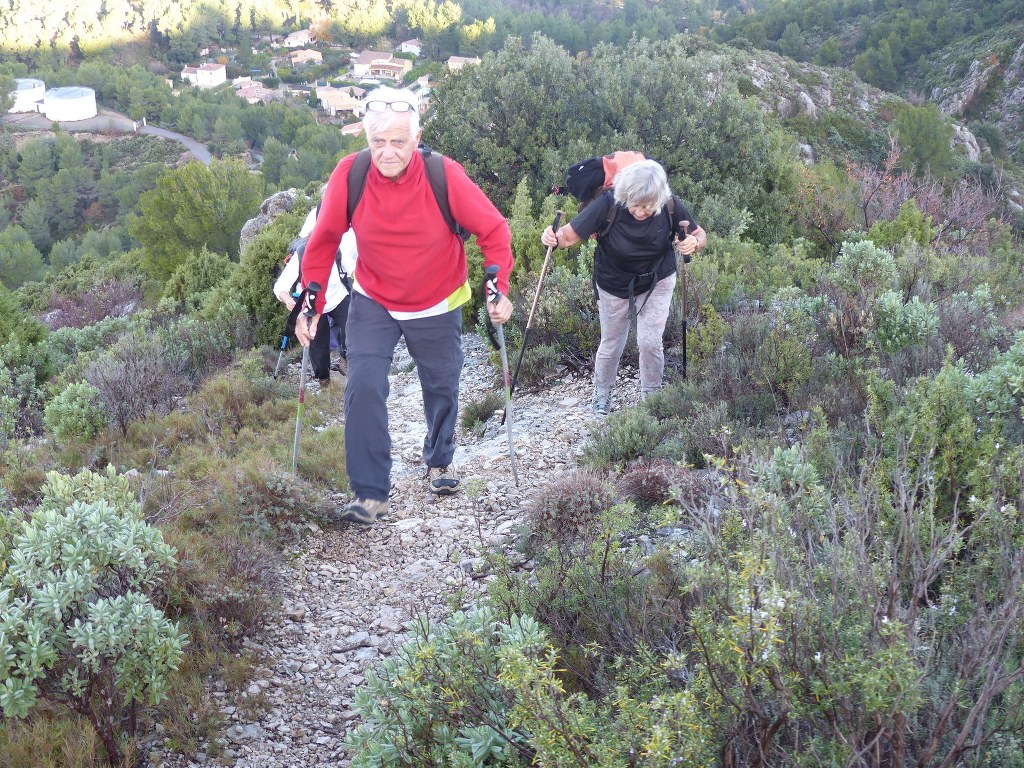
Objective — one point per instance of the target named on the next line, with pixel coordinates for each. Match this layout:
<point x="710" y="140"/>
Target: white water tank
<point x="73" y="102"/>
<point x="27" y="93"/>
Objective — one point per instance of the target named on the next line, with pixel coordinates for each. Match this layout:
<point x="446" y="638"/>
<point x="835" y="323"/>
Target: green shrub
<point x="249" y="284"/>
<point x="65" y="345"/>
<point x="968" y="323"/>
<point x="901" y="325"/>
<point x="10" y="408"/>
<point x="909" y="225"/>
<point x="232" y="402"/>
<point x="273" y="503"/>
<point x="998" y="393"/>
<point x="704" y="338"/>
<point x="746" y="375"/>
<point x="192" y="347"/>
<point x="221" y="588"/>
<point x="198" y="278"/>
<point x="76" y="413"/>
<point x="439" y="699"/>
<point x="703" y="431"/>
<point x="16" y="324"/>
<point x="77" y="625"/>
<point x="626" y="435"/>
<point x="734" y="272"/>
<point x="476" y="412"/>
<point x="566" y="321"/>
<point x="20" y="383"/>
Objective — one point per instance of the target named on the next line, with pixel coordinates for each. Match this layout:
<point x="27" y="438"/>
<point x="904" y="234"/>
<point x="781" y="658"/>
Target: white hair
<point x="374" y="122"/>
<point x="644" y="185"/>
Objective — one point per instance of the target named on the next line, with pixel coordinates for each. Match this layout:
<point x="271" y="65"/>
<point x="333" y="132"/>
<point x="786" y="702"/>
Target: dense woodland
<point x="810" y="551"/>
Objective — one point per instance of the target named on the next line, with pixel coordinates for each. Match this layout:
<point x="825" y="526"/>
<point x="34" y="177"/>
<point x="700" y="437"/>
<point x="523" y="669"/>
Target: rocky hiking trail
<point x="350" y="594"/>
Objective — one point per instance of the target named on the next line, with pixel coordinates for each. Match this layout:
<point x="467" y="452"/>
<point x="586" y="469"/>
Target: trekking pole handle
<point x="684" y="225"/>
<point x="556" y="222"/>
<point x="491" y="294"/>
<point x="312" y="291"/>
<point x="491" y="283"/>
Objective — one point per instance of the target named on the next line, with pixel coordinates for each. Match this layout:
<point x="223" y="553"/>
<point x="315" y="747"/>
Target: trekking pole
<point x="491" y="288"/>
<point x="280" y="355"/>
<point x="289" y="331"/>
<point x="682" y="270"/>
<point x="533" y="307"/>
<point x="309" y="302"/>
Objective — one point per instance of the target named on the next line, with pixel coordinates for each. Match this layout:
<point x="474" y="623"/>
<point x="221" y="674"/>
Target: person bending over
<point x="634" y="269"/>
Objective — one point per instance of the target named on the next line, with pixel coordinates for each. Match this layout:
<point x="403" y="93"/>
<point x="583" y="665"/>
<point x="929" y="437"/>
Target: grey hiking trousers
<point x="435" y="344"/>
<point x="652" y="314"/>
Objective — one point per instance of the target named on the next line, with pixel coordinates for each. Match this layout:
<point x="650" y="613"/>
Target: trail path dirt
<point x="350" y="593"/>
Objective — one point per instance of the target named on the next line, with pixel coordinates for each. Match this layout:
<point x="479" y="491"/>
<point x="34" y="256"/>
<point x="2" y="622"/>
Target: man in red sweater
<point x="411" y="281"/>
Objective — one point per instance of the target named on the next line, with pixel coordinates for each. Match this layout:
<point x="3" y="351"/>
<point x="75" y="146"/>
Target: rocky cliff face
<point x="991" y="90"/>
<point x="788" y="90"/>
<point x="272" y="207"/>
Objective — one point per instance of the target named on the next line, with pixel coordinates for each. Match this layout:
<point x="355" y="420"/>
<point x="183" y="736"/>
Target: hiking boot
<point x="442" y="480"/>
<point x="341" y="366"/>
<point x="362" y="511"/>
<point x="324" y="383"/>
<point x="601" y="402"/>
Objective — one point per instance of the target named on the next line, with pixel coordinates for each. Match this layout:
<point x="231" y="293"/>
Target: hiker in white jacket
<point x="336" y="299"/>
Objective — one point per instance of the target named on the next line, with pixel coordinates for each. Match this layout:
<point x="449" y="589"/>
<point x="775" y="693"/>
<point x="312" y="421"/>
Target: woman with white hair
<point x="637" y="223"/>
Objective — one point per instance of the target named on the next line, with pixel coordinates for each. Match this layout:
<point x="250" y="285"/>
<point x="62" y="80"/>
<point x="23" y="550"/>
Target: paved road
<point x="199" y="150"/>
<point x="106" y="121"/>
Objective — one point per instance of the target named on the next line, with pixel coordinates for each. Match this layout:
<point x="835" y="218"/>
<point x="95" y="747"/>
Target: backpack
<point x="296" y="249"/>
<point x="433" y="162"/>
<point x="588" y="178"/>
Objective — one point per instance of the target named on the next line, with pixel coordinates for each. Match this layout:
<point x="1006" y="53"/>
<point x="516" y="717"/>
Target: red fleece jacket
<point x="409" y="259"/>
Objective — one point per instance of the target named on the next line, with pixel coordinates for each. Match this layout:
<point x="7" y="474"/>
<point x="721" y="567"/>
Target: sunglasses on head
<point x="394" y="106"/>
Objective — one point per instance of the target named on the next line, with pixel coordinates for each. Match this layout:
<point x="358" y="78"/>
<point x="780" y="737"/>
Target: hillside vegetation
<point x="808" y="551"/>
<point x="965" y="55"/>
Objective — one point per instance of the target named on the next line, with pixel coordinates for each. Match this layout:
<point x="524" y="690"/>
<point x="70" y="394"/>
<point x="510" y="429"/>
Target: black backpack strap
<point x="357" y="180"/>
<point x="344" y="276"/>
<point x="438" y="177"/>
<point x="609" y="220"/>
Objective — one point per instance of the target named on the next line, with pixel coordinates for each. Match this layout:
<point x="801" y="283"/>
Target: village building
<point x="414" y="46"/>
<point x="205" y="76"/>
<point x="299" y="39"/>
<point x="337" y="101"/>
<point x="255" y="93"/>
<point x="455" y="63"/>
<point x="373" y="64"/>
<point x="303" y="56"/>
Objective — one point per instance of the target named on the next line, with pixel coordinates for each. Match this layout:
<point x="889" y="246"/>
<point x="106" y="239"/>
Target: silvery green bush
<point x="76" y="412"/>
<point x="77" y="622"/>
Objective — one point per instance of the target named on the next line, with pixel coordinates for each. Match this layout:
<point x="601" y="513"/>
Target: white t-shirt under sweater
<point x="336" y="291"/>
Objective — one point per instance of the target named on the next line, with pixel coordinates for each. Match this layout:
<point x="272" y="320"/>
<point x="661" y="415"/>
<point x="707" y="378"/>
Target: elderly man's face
<point x="391" y="148"/>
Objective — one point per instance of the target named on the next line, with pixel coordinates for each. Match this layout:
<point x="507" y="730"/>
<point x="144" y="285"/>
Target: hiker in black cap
<point x="636" y="223"/>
